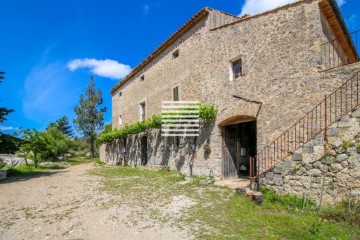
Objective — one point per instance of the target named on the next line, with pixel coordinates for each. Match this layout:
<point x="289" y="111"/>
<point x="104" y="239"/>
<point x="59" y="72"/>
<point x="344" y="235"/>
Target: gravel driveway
<point x="67" y="204"/>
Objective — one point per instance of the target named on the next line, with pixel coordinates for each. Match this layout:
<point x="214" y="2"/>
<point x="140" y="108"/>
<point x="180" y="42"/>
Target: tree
<point x="89" y="117"/>
<point x="63" y="125"/>
<point x="3" y="111"/>
<point x="59" y="144"/>
<point x="36" y="142"/>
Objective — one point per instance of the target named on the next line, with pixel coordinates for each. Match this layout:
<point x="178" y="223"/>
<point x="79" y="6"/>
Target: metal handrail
<point x="333" y="54"/>
<point x="334" y="106"/>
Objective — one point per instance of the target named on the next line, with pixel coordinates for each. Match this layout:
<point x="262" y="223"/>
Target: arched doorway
<point x="144" y="153"/>
<point x="238" y="145"/>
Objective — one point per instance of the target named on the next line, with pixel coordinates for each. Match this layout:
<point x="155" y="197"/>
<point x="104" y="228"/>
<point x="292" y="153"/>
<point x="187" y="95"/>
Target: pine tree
<point x="89" y="117"/>
<point x="62" y="125"/>
<point x="3" y="111"/>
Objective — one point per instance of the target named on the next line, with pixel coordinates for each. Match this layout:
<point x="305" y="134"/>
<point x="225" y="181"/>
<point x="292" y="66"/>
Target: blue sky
<point x="49" y="49"/>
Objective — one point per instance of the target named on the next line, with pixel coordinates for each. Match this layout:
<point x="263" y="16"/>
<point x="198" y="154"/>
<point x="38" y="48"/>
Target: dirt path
<point x="67" y="204"/>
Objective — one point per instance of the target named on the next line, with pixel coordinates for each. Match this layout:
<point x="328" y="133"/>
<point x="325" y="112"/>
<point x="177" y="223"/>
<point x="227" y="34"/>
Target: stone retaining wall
<point x="331" y="167"/>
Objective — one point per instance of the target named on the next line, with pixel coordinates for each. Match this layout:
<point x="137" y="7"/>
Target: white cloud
<point x="49" y="92"/>
<point x="5" y="128"/>
<point x="341" y="2"/>
<point x="103" y="68"/>
<point x="257" y="6"/>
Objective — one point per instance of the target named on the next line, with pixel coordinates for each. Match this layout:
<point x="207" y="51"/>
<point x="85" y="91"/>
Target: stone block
<point x="315" y="172"/>
<point x="356" y="113"/>
<point x="324" y="168"/>
<point x="336" y="167"/>
<point x="297" y="157"/>
<point x="308" y="149"/>
<point x="269" y="175"/>
<point x="308" y="158"/>
<point x="345" y="123"/>
<point x="319" y="141"/>
<point x="341" y="157"/>
<point x="332" y="132"/>
<point x="278" y="169"/>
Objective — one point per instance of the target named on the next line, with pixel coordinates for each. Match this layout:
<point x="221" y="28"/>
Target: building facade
<point x="263" y="72"/>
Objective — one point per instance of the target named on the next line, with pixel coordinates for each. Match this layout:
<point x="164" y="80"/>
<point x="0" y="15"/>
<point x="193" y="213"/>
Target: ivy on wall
<point x="207" y="114"/>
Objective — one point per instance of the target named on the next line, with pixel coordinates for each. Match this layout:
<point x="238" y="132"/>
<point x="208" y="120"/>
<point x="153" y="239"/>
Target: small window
<point x="142" y="111"/>
<point x="142" y="78"/>
<point x="175" y="54"/>
<point x="237" y="68"/>
<point x="120" y="120"/>
<point x="176" y="94"/>
<point x="120" y="94"/>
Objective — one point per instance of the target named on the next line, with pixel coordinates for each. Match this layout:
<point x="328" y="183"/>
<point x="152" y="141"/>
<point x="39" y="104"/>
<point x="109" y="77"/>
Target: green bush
<point x="348" y="210"/>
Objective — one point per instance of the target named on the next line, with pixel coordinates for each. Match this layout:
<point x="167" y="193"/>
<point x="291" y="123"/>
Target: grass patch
<point x="217" y="212"/>
<point x="82" y="159"/>
<point x="26" y="170"/>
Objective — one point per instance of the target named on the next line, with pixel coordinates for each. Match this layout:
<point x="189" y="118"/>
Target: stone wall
<point x="164" y="151"/>
<point x="331" y="167"/>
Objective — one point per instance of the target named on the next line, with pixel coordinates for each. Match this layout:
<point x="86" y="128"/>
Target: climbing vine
<point x="207" y="114"/>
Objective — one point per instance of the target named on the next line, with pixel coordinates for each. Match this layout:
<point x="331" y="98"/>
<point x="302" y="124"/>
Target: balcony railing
<point x="341" y="51"/>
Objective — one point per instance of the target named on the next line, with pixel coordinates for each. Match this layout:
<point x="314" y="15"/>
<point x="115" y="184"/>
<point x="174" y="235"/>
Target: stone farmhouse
<point x="272" y="77"/>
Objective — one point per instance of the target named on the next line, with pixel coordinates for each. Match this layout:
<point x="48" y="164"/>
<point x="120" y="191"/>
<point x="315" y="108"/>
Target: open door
<point x="239" y="144"/>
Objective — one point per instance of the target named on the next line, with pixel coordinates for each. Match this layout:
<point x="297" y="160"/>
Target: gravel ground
<point x="67" y="204"/>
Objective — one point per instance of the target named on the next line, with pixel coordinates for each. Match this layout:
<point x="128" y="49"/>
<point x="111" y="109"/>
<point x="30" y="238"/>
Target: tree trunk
<point x="92" y="140"/>
<point x="26" y="162"/>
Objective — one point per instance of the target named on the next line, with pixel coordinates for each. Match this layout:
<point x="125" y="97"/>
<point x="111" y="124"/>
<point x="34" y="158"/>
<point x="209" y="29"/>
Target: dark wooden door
<point x="144" y="154"/>
<point x="229" y="153"/>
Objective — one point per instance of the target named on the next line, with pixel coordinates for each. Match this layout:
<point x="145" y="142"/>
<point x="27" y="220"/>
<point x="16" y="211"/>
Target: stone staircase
<point x="326" y="170"/>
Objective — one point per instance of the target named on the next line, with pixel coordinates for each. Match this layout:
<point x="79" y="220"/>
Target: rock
<point x="324" y="168"/>
<point x="317" y="164"/>
<point x="318" y="141"/>
<point x="13" y="160"/>
<point x="341" y="157"/>
<point x="345" y="123"/>
<point x="332" y="132"/>
<point x="269" y="175"/>
<point x="278" y="169"/>
<point x="308" y="149"/>
<point x="344" y="164"/>
<point x="241" y="190"/>
<point x="336" y="167"/>
<point x="297" y="157"/>
<point x="315" y="172"/>
<point x="355" y="174"/>
<point x="204" y="182"/>
<point x="257" y="197"/>
<point x="356" y="113"/>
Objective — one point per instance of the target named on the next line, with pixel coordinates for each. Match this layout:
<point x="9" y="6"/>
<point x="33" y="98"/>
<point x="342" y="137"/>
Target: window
<point x="142" y="78"/>
<point x="236" y="69"/>
<point x="175" y="54"/>
<point x="142" y="111"/>
<point x="176" y="94"/>
<point x="120" y="94"/>
<point x="120" y="120"/>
